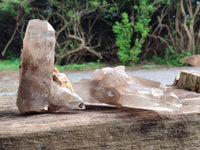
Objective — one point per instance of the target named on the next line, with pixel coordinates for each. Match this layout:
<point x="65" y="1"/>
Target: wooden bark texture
<point x="102" y="127"/>
<point x="189" y="80"/>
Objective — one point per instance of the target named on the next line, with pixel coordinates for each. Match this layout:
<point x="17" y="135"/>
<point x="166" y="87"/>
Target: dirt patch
<point x="9" y="82"/>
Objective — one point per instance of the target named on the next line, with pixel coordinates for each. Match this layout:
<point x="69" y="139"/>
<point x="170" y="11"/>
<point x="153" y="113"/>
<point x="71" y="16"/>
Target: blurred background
<point x="127" y="32"/>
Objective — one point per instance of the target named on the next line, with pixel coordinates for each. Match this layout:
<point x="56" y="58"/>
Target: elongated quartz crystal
<point x="112" y="86"/>
<point x="37" y="91"/>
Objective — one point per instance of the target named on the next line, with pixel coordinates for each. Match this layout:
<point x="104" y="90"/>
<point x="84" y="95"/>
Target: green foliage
<point x="63" y="51"/>
<point x="88" y="21"/>
<point x="167" y="2"/>
<point x="12" y="6"/>
<point x="189" y="21"/>
<point x="10" y="64"/>
<point x="98" y="62"/>
<point x="94" y="3"/>
<point x="171" y="58"/>
<point x="82" y="67"/>
<point x="8" y="6"/>
<point x="112" y="9"/>
<point x="149" y="66"/>
<point x="123" y="31"/>
<point x="144" y="10"/>
<point x="13" y="64"/>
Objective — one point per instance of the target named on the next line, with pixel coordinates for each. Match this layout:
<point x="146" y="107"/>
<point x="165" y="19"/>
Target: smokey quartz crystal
<point x="37" y="91"/>
<point x="113" y="86"/>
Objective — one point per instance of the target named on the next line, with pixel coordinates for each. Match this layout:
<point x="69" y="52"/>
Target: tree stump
<point x="189" y="80"/>
<point x="102" y="127"/>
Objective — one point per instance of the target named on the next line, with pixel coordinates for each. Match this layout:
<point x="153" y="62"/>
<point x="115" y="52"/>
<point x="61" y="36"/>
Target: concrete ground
<point x="164" y="75"/>
<point x="9" y="79"/>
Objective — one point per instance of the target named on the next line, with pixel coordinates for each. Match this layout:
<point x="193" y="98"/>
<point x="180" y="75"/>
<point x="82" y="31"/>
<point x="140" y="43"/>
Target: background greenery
<point x="111" y="31"/>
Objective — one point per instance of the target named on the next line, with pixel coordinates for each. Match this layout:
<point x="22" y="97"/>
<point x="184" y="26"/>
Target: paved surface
<point x="164" y="75"/>
<point x="9" y="80"/>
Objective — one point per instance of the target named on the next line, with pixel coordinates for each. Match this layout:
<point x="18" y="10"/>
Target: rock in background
<point x="193" y="60"/>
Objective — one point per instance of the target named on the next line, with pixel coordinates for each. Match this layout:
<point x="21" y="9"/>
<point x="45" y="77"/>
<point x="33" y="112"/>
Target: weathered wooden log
<point x="189" y="80"/>
<point x="102" y="127"/>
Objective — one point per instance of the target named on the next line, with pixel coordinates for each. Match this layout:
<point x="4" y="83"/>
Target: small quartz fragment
<point x="62" y="93"/>
<point x="113" y="86"/>
<point x="37" y="91"/>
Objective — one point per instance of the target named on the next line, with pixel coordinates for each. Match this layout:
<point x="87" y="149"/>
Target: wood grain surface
<point x="102" y="127"/>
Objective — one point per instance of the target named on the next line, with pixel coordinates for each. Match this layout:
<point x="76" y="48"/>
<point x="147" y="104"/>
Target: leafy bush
<point x="123" y="31"/>
<point x="171" y="58"/>
<point x="87" y="30"/>
<point x="126" y="30"/>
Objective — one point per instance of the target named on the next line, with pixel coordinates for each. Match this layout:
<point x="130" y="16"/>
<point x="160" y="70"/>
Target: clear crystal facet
<point x="37" y="91"/>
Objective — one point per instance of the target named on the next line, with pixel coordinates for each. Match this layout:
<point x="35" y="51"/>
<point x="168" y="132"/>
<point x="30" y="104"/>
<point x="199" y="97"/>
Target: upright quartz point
<point x="37" y="91"/>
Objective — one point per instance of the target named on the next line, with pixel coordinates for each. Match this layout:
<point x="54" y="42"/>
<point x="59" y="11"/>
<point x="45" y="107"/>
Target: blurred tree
<point x="12" y="11"/>
<point x="175" y="29"/>
<point x="88" y="30"/>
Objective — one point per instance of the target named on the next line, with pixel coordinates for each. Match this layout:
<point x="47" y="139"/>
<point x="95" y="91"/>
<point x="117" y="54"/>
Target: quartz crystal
<point x="37" y="91"/>
<point x="112" y="86"/>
